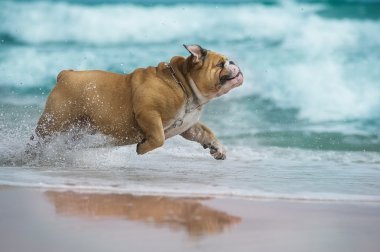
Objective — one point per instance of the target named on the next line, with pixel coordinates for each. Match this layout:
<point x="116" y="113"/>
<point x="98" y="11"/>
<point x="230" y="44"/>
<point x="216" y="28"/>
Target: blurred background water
<point x="305" y="124"/>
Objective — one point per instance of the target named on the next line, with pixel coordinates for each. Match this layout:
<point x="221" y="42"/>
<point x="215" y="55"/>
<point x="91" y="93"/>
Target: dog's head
<point x="213" y="73"/>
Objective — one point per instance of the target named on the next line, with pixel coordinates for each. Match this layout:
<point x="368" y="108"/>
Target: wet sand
<point x="54" y="221"/>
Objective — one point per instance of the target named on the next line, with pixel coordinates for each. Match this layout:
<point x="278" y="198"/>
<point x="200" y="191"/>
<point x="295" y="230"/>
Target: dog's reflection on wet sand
<point x="187" y="214"/>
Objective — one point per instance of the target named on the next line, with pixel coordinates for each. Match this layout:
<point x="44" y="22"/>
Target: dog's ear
<point x="197" y="52"/>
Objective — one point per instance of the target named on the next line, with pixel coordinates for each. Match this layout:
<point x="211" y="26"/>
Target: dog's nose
<point x="232" y="63"/>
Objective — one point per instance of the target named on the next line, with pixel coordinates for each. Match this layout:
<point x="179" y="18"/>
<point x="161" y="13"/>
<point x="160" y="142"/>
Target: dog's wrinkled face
<point x="213" y="73"/>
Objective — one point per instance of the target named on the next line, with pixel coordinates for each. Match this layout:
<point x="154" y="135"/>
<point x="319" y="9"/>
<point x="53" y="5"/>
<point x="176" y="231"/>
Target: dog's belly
<point x="123" y="132"/>
<point x="182" y="122"/>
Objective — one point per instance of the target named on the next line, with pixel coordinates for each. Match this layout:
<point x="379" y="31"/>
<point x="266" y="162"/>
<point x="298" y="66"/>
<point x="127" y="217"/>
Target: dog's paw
<point x="141" y="147"/>
<point x="217" y="151"/>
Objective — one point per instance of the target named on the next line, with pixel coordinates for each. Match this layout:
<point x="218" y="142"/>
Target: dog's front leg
<point x="151" y="125"/>
<point x="203" y="135"/>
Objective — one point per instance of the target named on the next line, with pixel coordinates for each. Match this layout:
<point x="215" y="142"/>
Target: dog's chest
<point x="183" y="121"/>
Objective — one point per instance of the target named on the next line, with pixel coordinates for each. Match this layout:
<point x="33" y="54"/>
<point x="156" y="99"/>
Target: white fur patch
<point x="182" y="122"/>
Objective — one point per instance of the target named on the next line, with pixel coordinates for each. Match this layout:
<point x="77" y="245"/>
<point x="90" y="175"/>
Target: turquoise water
<point x="305" y="124"/>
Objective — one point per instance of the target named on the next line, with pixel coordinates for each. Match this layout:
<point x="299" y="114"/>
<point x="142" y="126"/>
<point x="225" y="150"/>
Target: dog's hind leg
<point x="58" y="116"/>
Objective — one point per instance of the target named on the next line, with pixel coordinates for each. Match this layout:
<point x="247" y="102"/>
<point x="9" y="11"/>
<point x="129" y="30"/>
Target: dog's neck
<point x="194" y="97"/>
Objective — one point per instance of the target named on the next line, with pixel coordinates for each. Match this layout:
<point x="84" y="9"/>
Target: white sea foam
<point x="117" y="24"/>
<point x="185" y="168"/>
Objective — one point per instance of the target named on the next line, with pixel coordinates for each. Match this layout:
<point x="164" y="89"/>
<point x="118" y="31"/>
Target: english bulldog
<point x="144" y="107"/>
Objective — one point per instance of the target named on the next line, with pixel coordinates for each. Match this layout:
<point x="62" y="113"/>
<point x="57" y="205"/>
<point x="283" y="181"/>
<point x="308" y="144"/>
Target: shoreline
<point x="328" y="198"/>
<point x="35" y="219"/>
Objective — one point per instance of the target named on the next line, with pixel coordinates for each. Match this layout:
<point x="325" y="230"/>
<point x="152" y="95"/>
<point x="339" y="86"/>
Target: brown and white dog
<point x="146" y="106"/>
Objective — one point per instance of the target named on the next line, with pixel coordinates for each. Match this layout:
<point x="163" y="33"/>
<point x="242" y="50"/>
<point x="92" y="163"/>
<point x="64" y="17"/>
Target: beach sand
<point x="54" y="221"/>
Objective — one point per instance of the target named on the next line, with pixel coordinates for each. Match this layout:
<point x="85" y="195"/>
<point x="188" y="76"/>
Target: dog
<point x="144" y="107"/>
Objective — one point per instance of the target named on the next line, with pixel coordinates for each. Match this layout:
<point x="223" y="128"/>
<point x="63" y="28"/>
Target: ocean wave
<point x="106" y="25"/>
<point x="289" y="54"/>
<point x="115" y="24"/>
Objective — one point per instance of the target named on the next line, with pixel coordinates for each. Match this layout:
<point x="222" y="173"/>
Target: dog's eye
<point x="221" y="65"/>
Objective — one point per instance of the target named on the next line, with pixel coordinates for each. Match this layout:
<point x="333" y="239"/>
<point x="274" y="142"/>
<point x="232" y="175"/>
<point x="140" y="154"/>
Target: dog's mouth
<point x="228" y="82"/>
<point x="237" y="75"/>
<point x="226" y="78"/>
